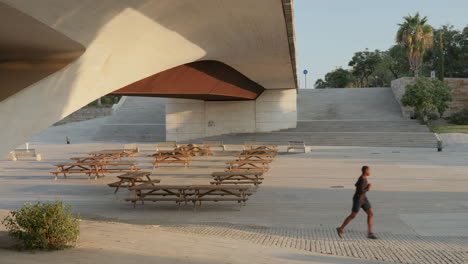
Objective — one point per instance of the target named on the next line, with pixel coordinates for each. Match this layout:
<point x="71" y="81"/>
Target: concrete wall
<point x="459" y="88"/>
<point x="192" y="119"/>
<point x="276" y="109"/>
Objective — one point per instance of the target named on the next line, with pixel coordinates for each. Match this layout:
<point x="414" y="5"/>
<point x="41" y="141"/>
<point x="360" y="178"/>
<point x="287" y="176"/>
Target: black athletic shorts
<point x="366" y="205"/>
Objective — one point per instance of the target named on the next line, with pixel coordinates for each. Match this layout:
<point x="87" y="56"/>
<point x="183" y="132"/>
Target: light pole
<point x="305" y="78"/>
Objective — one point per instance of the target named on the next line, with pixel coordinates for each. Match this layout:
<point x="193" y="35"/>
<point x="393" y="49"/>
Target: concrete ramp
<point x="138" y="119"/>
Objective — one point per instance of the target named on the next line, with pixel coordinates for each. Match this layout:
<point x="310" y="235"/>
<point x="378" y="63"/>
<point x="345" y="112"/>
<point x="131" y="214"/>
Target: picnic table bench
<point x="95" y="168"/>
<point x="262" y="157"/>
<point x="195" y="150"/>
<point x="171" y="157"/>
<point x="93" y="159"/>
<point x="113" y="153"/>
<point x="237" y="177"/>
<point x="189" y="193"/>
<point x="271" y="153"/>
<point x="260" y="145"/>
<point x="130" y="179"/>
<point x="247" y="165"/>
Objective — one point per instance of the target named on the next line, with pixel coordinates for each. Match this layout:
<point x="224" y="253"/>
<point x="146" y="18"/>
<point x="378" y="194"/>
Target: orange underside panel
<point x="204" y="80"/>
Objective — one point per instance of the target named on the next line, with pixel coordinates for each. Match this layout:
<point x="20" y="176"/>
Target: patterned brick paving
<point x="390" y="247"/>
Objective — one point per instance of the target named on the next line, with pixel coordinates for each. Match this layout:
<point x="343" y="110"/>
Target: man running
<point x="360" y="201"/>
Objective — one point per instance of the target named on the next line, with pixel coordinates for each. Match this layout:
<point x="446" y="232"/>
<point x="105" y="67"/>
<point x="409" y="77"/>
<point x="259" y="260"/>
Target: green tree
<point x="427" y="96"/>
<point x="442" y="96"/>
<point x="364" y="64"/>
<point x="320" y="84"/>
<point x="417" y="37"/>
<point x="450" y="53"/>
<point x="339" y="78"/>
<point x="396" y="61"/>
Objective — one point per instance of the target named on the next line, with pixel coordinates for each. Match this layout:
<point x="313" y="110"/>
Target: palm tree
<point x="417" y="37"/>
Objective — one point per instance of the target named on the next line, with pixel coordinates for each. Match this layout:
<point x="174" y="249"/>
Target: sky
<point x="328" y="32"/>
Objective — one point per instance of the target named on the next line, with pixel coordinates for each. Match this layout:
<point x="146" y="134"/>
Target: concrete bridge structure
<point x="230" y="65"/>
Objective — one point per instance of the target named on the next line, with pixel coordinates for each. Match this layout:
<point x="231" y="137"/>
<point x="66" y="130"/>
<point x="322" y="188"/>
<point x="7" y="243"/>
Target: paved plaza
<point x="419" y="196"/>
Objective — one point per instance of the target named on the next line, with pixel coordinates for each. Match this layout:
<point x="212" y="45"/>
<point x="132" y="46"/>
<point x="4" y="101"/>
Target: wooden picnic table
<point x="93" y="159"/>
<point x="247" y="165"/>
<point x="115" y="153"/>
<point x="189" y="193"/>
<point x="95" y="168"/>
<point x="262" y="147"/>
<point x="271" y="153"/>
<point x="262" y="157"/>
<point x="237" y="177"/>
<point x="130" y="179"/>
<point x="171" y="157"/>
<point x="74" y="168"/>
<point x="195" y="150"/>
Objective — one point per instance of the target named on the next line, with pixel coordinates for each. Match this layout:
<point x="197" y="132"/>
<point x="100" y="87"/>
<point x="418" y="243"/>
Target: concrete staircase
<point x="347" y="117"/>
<point x="139" y="119"/>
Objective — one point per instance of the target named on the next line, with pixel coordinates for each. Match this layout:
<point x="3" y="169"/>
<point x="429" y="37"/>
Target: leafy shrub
<point x="427" y="96"/>
<point x="49" y="226"/>
<point x="460" y="117"/>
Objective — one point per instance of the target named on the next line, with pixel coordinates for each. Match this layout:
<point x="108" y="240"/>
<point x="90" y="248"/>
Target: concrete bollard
<point x="439" y="143"/>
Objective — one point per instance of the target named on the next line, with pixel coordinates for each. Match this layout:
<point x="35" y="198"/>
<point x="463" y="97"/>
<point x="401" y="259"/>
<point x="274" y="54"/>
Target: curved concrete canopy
<point x="204" y="80"/>
<point x="30" y="51"/>
<point x="129" y="40"/>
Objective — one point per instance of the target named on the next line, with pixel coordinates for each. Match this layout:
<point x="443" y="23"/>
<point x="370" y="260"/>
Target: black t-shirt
<point x="362" y="186"/>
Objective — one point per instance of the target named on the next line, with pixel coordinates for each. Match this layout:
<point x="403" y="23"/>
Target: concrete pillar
<point x="193" y="119"/>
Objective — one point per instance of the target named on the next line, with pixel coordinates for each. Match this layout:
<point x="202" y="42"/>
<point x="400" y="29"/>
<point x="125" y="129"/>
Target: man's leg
<point x="354" y="212"/>
<point x="370" y="222"/>
<point x="348" y="220"/>
<point x="370" y="219"/>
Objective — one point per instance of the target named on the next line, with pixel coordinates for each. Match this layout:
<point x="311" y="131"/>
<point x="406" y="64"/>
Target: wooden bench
<point x="113" y="153"/>
<point x="171" y="157"/>
<point x="260" y="146"/>
<point x="19" y="154"/>
<point x="168" y="145"/>
<point x="117" y="167"/>
<point x="262" y="157"/>
<point x="215" y="144"/>
<point x="76" y="168"/>
<point x="271" y="153"/>
<point x="296" y="145"/>
<point x="237" y="177"/>
<point x="93" y="159"/>
<point x="247" y="165"/>
<point x="189" y="193"/>
<point x="130" y="179"/>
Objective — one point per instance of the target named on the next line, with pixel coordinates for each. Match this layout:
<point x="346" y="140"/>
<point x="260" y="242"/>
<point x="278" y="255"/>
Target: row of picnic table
<point x="232" y="184"/>
<point x="98" y="163"/>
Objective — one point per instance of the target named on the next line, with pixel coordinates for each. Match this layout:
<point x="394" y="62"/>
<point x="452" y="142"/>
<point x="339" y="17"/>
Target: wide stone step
<point x="358" y="126"/>
<point x="364" y="139"/>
